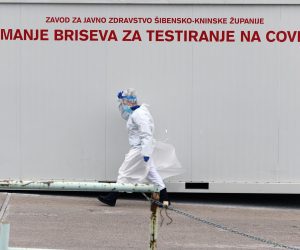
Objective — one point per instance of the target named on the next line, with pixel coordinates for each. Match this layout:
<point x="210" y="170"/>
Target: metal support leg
<point x="4" y="236"/>
<point x="153" y="223"/>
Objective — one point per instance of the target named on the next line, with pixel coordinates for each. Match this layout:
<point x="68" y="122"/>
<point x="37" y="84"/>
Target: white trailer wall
<point x="230" y="109"/>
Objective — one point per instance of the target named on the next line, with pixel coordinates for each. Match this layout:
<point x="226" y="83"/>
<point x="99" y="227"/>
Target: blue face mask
<point x="125" y="112"/>
<point x="127" y="109"/>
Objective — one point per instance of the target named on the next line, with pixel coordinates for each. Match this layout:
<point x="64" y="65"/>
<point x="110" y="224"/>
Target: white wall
<point x="231" y="109"/>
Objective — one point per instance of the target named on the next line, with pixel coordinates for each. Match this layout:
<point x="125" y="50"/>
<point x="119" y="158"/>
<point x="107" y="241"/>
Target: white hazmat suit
<point x="163" y="162"/>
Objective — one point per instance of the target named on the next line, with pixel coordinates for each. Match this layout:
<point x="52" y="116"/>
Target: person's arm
<point x="145" y="125"/>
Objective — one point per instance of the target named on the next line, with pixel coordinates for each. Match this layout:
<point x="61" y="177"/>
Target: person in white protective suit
<point x="148" y="160"/>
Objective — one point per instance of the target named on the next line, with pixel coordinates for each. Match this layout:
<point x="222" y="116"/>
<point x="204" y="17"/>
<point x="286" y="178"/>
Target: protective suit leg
<point x="109" y="199"/>
<point x="153" y="176"/>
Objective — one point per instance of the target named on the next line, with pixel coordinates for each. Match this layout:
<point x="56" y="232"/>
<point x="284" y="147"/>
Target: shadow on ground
<point x="259" y="200"/>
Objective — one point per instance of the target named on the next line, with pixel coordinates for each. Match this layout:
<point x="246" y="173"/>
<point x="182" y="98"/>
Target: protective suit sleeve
<point x="146" y="126"/>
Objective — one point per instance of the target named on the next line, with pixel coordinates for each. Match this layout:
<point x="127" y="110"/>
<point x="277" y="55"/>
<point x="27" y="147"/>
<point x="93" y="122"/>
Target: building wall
<point x="230" y="108"/>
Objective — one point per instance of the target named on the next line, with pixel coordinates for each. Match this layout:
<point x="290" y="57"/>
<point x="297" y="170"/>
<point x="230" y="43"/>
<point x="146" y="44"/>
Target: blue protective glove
<point x="146" y="158"/>
<point x="120" y="95"/>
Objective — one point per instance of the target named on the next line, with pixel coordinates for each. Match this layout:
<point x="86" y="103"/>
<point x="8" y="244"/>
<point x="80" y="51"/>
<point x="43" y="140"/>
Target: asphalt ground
<point x="81" y="222"/>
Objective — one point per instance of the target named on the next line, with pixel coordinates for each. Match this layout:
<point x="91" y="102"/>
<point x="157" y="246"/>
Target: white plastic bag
<point x="135" y="170"/>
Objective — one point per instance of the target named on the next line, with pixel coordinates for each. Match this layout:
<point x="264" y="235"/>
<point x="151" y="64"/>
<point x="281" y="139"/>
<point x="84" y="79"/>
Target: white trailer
<point x="226" y="95"/>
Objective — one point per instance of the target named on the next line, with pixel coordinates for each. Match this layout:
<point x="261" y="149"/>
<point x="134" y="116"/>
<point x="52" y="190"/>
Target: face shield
<point x="126" y="101"/>
<point x="122" y="108"/>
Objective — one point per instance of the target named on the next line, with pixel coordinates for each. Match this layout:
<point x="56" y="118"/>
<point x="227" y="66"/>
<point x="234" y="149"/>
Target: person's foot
<point x="164" y="198"/>
<point x="109" y="199"/>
